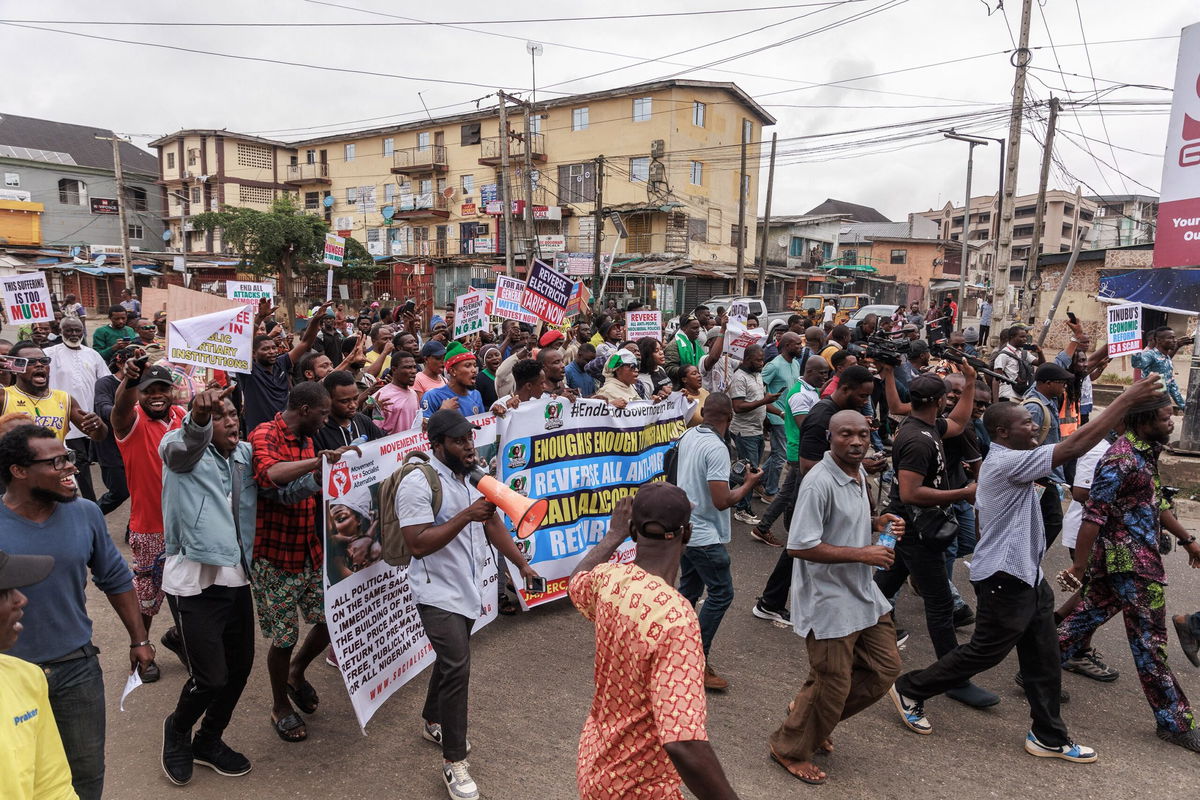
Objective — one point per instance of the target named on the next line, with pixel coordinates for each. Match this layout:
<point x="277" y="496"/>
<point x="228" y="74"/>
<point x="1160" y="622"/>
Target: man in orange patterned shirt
<point x="645" y="728"/>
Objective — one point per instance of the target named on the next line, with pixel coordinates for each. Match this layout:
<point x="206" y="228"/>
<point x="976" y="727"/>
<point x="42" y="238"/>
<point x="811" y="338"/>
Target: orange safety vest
<point x="1068" y="420"/>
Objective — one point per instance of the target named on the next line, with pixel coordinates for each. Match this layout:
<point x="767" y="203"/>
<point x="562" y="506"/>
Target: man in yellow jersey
<point x="50" y="408"/>
<point x="32" y="761"/>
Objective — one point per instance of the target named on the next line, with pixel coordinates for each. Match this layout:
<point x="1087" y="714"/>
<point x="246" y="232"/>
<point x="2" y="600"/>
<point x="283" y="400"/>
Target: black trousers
<point x="83" y="461"/>
<point x="118" y="489"/>
<point x="217" y="628"/>
<point x="927" y="566"/>
<point x="446" y="699"/>
<point x="1052" y="513"/>
<point x="1010" y="613"/>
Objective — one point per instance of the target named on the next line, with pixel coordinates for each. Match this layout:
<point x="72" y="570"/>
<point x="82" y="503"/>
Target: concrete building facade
<point x="1123" y="220"/>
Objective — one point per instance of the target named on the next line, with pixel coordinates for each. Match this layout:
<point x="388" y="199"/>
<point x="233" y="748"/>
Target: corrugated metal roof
<point x="77" y="141"/>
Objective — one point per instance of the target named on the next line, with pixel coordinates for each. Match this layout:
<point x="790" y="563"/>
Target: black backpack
<point x="671" y="457"/>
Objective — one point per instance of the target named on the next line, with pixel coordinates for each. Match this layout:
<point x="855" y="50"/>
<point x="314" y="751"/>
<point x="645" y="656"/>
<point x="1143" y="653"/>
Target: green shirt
<point x="106" y="336"/>
<point x="796" y="404"/>
<point x="780" y="375"/>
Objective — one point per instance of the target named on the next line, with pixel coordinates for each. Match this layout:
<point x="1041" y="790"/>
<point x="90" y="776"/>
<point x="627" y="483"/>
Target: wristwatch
<point x="1187" y="541"/>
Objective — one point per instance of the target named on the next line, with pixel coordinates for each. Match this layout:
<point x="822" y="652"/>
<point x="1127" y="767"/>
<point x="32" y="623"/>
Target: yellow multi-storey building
<point x="431" y="188"/>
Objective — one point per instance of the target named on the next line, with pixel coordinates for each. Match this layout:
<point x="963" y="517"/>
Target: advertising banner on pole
<point x="642" y="324"/>
<point x="1124" y="329"/>
<point x="220" y="340"/>
<point x="1177" y="236"/>
<point x="579" y="265"/>
<point x="373" y="622"/>
<point x="509" y="292"/>
<point x="335" y="250"/>
<point x="547" y="293"/>
<point x="738" y="337"/>
<point x="27" y="298"/>
<point x="249" y="292"/>
<point x="583" y="457"/>
<point x="470" y="314"/>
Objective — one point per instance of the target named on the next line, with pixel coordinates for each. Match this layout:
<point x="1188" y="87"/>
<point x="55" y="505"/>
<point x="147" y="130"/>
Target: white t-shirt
<point x="828" y="313"/>
<point x="1085" y="471"/>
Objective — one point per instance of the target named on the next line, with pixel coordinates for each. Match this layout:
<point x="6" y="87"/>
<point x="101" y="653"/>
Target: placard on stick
<point x="27" y="298"/>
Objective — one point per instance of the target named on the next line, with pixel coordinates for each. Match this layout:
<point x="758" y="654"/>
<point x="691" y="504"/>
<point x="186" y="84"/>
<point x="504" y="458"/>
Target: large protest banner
<point x="508" y="300"/>
<point x="547" y="293"/>
<point x="249" y="292"/>
<point x="1124" y="329"/>
<point x="27" y="298"/>
<point x="373" y="622"/>
<point x="583" y="457"/>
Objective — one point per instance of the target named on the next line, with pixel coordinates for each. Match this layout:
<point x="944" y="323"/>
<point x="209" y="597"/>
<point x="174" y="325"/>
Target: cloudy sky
<point x="869" y="68"/>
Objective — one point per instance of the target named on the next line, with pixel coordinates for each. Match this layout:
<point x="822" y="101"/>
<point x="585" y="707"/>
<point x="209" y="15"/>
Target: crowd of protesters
<point x="887" y="466"/>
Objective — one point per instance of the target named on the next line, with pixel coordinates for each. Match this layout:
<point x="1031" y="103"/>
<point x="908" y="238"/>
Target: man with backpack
<point x="1017" y="362"/>
<point x="448" y="527"/>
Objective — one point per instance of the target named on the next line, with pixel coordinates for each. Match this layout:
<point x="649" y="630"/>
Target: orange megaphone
<point x="526" y="514"/>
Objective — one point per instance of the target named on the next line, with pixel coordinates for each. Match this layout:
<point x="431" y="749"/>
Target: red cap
<point x="550" y="337"/>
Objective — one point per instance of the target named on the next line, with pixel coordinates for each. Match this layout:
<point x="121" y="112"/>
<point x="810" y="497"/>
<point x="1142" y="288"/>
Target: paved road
<point x="532" y="686"/>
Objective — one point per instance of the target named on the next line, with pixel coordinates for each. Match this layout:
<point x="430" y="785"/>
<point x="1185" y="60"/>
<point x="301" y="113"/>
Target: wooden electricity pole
<point x="762" y="235"/>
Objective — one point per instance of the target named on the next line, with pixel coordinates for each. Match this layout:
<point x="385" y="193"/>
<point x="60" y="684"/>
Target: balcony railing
<point x="489" y="149"/>
<point x="420" y="159"/>
<point x="416" y="206"/>
<point x="308" y="173"/>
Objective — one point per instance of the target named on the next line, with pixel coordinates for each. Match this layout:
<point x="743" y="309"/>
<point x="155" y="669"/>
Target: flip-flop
<point x="305" y="697"/>
<point x="781" y="761"/>
<point x="285" y="728"/>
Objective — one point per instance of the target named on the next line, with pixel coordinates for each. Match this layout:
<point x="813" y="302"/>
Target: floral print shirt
<point x="1154" y="360"/>
<point x="1125" y="502"/>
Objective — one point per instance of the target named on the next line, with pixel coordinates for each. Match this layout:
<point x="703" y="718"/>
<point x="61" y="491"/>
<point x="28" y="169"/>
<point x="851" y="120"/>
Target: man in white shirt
<point x="75" y="369"/>
<point x="829" y="313"/>
<point x="1017" y="363"/>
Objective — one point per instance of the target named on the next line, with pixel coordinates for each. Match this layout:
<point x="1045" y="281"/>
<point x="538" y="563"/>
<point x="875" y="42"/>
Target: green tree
<point x="280" y="243"/>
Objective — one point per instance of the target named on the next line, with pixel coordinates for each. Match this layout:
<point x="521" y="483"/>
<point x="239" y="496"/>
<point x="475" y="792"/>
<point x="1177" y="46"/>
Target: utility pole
<point x="531" y="242"/>
<point x="972" y="143"/>
<point x="502" y="187"/>
<point x="598" y="228"/>
<point x="762" y="235"/>
<point x="1020" y="60"/>
<point x="1029" y="272"/>
<point x="740" y="284"/>
<point x="126" y="256"/>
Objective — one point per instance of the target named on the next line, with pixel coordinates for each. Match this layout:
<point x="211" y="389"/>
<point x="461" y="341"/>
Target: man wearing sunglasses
<point x="148" y="340"/>
<point x="52" y="409"/>
<point x="42" y="514"/>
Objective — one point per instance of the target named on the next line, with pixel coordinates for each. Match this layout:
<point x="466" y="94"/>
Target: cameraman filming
<point x="1017" y="360"/>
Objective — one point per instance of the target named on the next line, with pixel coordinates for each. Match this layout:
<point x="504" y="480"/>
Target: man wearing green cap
<point x="459" y="393"/>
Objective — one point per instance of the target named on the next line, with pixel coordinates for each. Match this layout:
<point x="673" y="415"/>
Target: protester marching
<point x="375" y="489"/>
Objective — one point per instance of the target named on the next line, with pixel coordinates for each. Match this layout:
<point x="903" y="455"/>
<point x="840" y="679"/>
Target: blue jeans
<point x="749" y="448"/>
<point x="77" y="699"/>
<point x="962" y="546"/>
<point x="707" y="567"/>
<point x="776" y="460"/>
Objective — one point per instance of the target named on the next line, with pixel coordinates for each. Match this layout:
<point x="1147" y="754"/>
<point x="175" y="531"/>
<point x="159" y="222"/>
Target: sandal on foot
<point x="286" y="728"/>
<point x="508" y="607"/>
<point x="304" y="697"/>
<point x="815" y="778"/>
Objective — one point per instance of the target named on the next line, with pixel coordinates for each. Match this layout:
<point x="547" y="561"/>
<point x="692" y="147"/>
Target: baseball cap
<point x="448" y="422"/>
<point x="156" y="374"/>
<point x="550" y="337"/>
<point x="663" y="505"/>
<point x="918" y="347"/>
<point x="433" y="349"/>
<point x="19" y="571"/>
<point x="927" y="387"/>
<point x="1051" y="372"/>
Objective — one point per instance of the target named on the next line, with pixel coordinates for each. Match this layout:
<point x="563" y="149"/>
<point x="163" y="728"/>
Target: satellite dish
<point x="100" y="259"/>
<point x="388" y="212"/>
<point x="166" y="235"/>
<point x="328" y="201"/>
<point x="448" y="192"/>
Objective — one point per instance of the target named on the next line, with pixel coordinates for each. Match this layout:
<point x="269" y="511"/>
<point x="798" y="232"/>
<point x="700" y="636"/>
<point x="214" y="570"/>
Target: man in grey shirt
<point x="836" y="606"/>
<point x="1016" y="604"/>
<point x="750" y="401"/>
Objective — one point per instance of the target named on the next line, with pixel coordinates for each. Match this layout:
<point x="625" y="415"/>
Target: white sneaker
<point x="746" y="517"/>
<point x="459" y="784"/>
<point x="1068" y="752"/>
<point x="432" y="732"/>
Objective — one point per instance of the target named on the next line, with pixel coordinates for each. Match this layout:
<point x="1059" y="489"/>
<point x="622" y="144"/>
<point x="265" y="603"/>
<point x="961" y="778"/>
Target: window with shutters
<point x="577" y="183"/>
<point x="170" y="161"/>
<point x="349" y="152"/>
<point x="640" y="239"/>
<point x="389" y="146"/>
<point x="579" y="119"/>
<point x="253" y="194"/>
<point x="312" y="200"/>
<point x="698" y="113"/>
<point x="197" y="195"/>
<point x="423" y="140"/>
<point x="254" y="155"/>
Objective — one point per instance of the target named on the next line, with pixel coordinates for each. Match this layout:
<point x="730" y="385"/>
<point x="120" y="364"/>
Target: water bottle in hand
<point x="887" y="539"/>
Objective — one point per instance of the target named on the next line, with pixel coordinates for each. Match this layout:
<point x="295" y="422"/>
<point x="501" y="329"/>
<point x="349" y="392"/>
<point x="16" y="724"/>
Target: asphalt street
<point x="532" y="684"/>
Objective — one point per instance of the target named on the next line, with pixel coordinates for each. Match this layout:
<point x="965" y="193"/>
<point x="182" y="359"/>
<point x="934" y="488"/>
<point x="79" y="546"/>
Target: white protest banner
<point x="643" y="324"/>
<point x="335" y="250"/>
<point x="738" y="337"/>
<point x="547" y="293"/>
<point x="508" y="300"/>
<point x="739" y="310"/>
<point x="373" y="622"/>
<point x="1124" y="329"/>
<point x="249" y="292"/>
<point x="220" y="340"/>
<point x="582" y="457"/>
<point x="470" y="314"/>
<point x="27" y="298"/>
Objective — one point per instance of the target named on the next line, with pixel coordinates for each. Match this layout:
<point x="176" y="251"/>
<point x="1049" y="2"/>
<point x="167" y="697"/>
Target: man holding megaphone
<point x="448" y="529"/>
